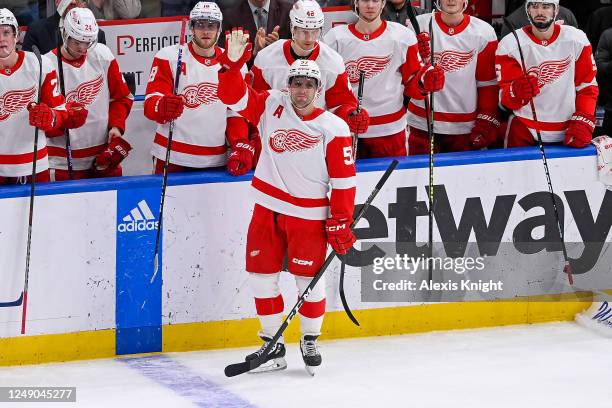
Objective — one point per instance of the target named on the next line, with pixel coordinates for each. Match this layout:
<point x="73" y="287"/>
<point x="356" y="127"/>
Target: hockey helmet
<point x="306" y="14"/>
<point x="206" y="10"/>
<point x="8" y="18"/>
<point x="80" y="24"/>
<point x="304" y="68"/>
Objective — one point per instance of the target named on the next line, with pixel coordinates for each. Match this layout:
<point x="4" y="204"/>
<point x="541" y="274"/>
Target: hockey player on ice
<point x="306" y="150"/>
<point x="97" y="94"/>
<point x="272" y="64"/>
<point x="19" y="113"/>
<point x="465" y="109"/>
<point x="388" y="54"/>
<point x="560" y="80"/>
<point x="202" y="121"/>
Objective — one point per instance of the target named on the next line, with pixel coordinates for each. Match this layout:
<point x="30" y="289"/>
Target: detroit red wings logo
<point x="453" y="61"/>
<point x="87" y="92"/>
<point x="371" y="66"/>
<point x="15" y="101"/>
<point x="549" y="71"/>
<point x="203" y="93"/>
<point x="292" y="140"/>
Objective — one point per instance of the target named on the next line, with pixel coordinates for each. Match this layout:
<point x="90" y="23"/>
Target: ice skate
<point x="275" y="360"/>
<point x="310" y="353"/>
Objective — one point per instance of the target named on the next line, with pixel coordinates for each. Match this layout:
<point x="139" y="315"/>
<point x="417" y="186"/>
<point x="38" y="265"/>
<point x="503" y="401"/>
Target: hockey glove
<point x="431" y="79"/>
<point x="116" y="151"/>
<point x="240" y="160"/>
<point x="580" y="130"/>
<point x="484" y="131"/>
<point x="41" y="116"/>
<point x="524" y="88"/>
<point x="339" y="234"/>
<point x="237" y="51"/>
<point x="169" y="107"/>
<point x="359" y="121"/>
<point x="424" y="47"/>
<point x="77" y="115"/>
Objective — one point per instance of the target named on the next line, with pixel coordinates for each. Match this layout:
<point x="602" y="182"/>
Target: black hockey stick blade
<point x="233" y="370"/>
<point x="14" y="303"/>
<point x="347" y="309"/>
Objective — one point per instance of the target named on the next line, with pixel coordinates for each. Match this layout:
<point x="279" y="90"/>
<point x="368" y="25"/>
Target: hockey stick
<point x="24" y="308"/>
<point x="567" y="267"/>
<point x="177" y="76"/>
<point x="241" y="368"/>
<point x="429" y="110"/>
<point x="62" y="85"/>
<point x="347" y="309"/>
<point x="13" y="303"/>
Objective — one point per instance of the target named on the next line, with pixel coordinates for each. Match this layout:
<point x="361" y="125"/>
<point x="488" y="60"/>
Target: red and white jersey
<point x="466" y="53"/>
<point x="566" y="73"/>
<point x="95" y="81"/>
<point x="271" y="68"/>
<point x="19" y="87"/>
<point x="199" y="138"/>
<point x="301" y="156"/>
<point x="390" y="59"/>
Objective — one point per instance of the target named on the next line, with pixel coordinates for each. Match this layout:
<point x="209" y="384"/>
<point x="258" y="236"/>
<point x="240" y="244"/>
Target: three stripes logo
<point x="140" y="218"/>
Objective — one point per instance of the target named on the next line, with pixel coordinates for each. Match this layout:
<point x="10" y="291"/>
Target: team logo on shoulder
<point x="203" y="93"/>
<point x="87" y="92"/>
<point x="453" y="61"/>
<point x="292" y="140"/>
<point x="15" y="101"/>
<point x="549" y="71"/>
<point x="371" y="66"/>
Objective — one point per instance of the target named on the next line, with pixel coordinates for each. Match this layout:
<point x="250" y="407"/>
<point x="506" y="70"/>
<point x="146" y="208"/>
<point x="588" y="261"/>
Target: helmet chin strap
<point x="304" y="50"/>
<point x="542" y="27"/>
<point x="5" y="60"/>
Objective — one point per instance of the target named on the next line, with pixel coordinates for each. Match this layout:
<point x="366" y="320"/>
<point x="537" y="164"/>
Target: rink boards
<point x="93" y="293"/>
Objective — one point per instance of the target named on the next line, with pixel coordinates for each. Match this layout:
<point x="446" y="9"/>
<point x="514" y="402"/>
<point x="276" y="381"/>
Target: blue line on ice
<point x="171" y="374"/>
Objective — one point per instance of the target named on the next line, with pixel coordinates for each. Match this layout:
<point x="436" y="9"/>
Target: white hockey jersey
<point x="390" y="59"/>
<point x="19" y="87"/>
<point x="271" y="68"/>
<point x="199" y="138"/>
<point x="466" y="53"/>
<point x="95" y="81"/>
<point x="301" y="156"/>
<point x="566" y="73"/>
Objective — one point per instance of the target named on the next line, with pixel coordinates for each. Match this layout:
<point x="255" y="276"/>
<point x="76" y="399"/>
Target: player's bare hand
<point x="236" y="42"/>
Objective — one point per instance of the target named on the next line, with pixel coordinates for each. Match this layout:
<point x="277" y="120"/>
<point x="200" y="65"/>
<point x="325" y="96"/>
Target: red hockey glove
<point x="116" y="151"/>
<point x="424" y="47"/>
<point x="484" y="131"/>
<point x="359" y="121"/>
<point x="241" y="159"/>
<point x="77" y="115"/>
<point x="431" y="78"/>
<point x="525" y="88"/>
<point x="41" y="116"/>
<point x="339" y="234"/>
<point x="579" y="133"/>
<point x="169" y="107"/>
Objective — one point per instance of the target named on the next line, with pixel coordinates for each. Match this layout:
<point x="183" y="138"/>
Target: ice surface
<point x="548" y="365"/>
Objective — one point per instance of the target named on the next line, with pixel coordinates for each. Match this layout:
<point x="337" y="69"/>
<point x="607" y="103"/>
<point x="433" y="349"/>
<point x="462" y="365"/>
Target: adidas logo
<point x="139" y="219"/>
